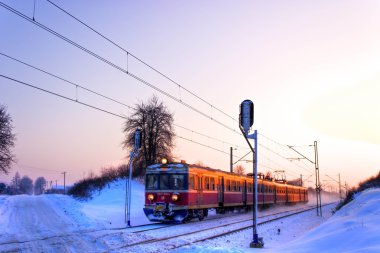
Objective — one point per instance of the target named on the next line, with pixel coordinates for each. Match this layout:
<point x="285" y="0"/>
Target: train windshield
<point x="165" y="181"/>
<point x="152" y="182"/>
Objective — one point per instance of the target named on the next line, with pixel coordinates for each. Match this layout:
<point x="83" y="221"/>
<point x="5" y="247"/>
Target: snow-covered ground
<point x="59" y="223"/>
<point x="354" y="228"/>
<point x="108" y="205"/>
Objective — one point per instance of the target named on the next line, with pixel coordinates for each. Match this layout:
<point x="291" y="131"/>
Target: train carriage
<point x="180" y="192"/>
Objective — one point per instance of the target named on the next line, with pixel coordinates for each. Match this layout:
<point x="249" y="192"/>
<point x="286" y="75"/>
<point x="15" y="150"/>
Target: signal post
<point x="246" y="121"/>
<point x="137" y="145"/>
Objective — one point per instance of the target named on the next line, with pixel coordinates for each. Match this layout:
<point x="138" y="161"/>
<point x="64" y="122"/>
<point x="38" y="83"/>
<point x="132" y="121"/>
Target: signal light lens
<point x="150" y="197"/>
<point x="175" y="197"/>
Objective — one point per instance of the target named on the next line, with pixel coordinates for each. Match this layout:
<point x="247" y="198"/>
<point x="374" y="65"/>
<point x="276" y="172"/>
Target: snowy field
<point x="58" y="223"/>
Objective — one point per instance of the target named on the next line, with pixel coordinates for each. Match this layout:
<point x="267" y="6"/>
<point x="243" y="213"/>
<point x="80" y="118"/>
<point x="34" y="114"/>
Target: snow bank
<point x="354" y="228"/>
<point x="108" y="205"/>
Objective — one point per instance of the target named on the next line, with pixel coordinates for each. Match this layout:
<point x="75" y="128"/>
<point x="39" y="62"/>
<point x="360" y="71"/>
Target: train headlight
<point x="150" y="196"/>
<point x="175" y="197"/>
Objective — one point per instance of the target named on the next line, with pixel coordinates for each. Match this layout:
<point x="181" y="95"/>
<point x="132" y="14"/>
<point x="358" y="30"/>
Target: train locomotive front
<point x="166" y="192"/>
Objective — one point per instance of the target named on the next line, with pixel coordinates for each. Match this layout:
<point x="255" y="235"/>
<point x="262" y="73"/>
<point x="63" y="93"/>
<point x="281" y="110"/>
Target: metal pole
<point x="340" y="188"/>
<point x="345" y="183"/>
<point x="317" y="181"/>
<point x="126" y="198"/>
<point x="64" y="182"/>
<point x="255" y="236"/>
<point x="129" y="190"/>
<point x="231" y="161"/>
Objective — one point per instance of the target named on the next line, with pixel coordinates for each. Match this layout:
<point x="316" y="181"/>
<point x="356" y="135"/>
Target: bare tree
<point x="39" y="185"/>
<point x="26" y="185"/>
<point x="3" y="188"/>
<point x="7" y="139"/>
<point x="156" y="123"/>
<point x="239" y="169"/>
<point x="14" y="187"/>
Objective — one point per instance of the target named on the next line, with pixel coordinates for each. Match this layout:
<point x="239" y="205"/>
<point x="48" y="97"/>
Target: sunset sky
<point x="312" y="69"/>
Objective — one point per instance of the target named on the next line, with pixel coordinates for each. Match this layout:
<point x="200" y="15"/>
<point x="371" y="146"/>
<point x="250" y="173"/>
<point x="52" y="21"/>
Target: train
<point x="180" y="192"/>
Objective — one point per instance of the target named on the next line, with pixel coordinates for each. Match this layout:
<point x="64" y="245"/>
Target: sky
<point x="310" y="67"/>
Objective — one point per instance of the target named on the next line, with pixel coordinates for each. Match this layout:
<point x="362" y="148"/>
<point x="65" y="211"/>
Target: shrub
<point x="83" y="188"/>
<point x="372" y="182"/>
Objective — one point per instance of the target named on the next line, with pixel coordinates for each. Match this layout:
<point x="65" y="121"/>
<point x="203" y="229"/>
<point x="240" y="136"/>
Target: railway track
<point x="209" y="218"/>
<point x="227" y="229"/>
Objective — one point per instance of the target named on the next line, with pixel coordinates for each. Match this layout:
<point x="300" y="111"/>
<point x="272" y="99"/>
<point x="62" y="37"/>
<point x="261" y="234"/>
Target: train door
<point x="199" y="190"/>
<point x="287" y="195"/>
<point x="244" y="192"/>
<point x="221" y="191"/>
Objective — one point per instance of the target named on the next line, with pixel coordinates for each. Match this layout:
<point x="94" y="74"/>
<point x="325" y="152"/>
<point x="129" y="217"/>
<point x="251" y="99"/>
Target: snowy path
<point x="33" y="224"/>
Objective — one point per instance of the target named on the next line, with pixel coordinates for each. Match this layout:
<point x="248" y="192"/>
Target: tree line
<point x="24" y="185"/>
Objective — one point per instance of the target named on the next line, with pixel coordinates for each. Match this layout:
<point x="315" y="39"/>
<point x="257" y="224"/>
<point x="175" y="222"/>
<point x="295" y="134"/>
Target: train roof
<point x="184" y="165"/>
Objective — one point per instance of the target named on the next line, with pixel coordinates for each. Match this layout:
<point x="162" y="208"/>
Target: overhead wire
<point x="139" y="59"/>
<point x="97" y="108"/>
<point x="141" y="80"/>
<point x="76" y="85"/>
<point x="128" y="73"/>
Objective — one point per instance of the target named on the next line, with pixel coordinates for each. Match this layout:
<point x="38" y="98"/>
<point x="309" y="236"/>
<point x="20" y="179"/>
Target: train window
<point x="249" y="187"/>
<point x="164" y="181"/>
<point x="228" y="185"/>
<point x="234" y="186"/>
<point x="238" y="187"/>
<point x="207" y="183"/>
<point x="191" y="182"/>
<point x="212" y="182"/>
<point x="151" y="182"/>
<point x="177" y="182"/>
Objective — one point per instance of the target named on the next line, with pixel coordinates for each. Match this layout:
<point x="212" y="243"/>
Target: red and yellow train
<point x="180" y="192"/>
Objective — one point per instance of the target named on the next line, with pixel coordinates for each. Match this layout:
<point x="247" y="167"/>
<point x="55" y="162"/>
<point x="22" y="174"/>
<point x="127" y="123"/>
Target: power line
<point x="76" y="85"/>
<point x="137" y="58"/>
<point x="97" y="108"/>
<point x="62" y="96"/>
<point x="117" y="67"/>
<point x="278" y="154"/>
<point x="67" y="81"/>
<point x="141" y="80"/>
<point x="35" y="168"/>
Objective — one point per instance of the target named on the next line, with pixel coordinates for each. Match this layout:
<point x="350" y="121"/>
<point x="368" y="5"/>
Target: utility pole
<point x="317" y="181"/>
<point x="64" y="182"/>
<point x="345" y="183"/>
<point x="231" y="160"/>
<point x="340" y="188"/>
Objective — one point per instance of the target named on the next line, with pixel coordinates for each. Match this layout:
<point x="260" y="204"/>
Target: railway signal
<point x="246" y="122"/>
<point x="133" y="155"/>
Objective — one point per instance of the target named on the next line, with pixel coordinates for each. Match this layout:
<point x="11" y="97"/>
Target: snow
<point x="108" y="205"/>
<point x="354" y="228"/>
<point x="60" y="223"/>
